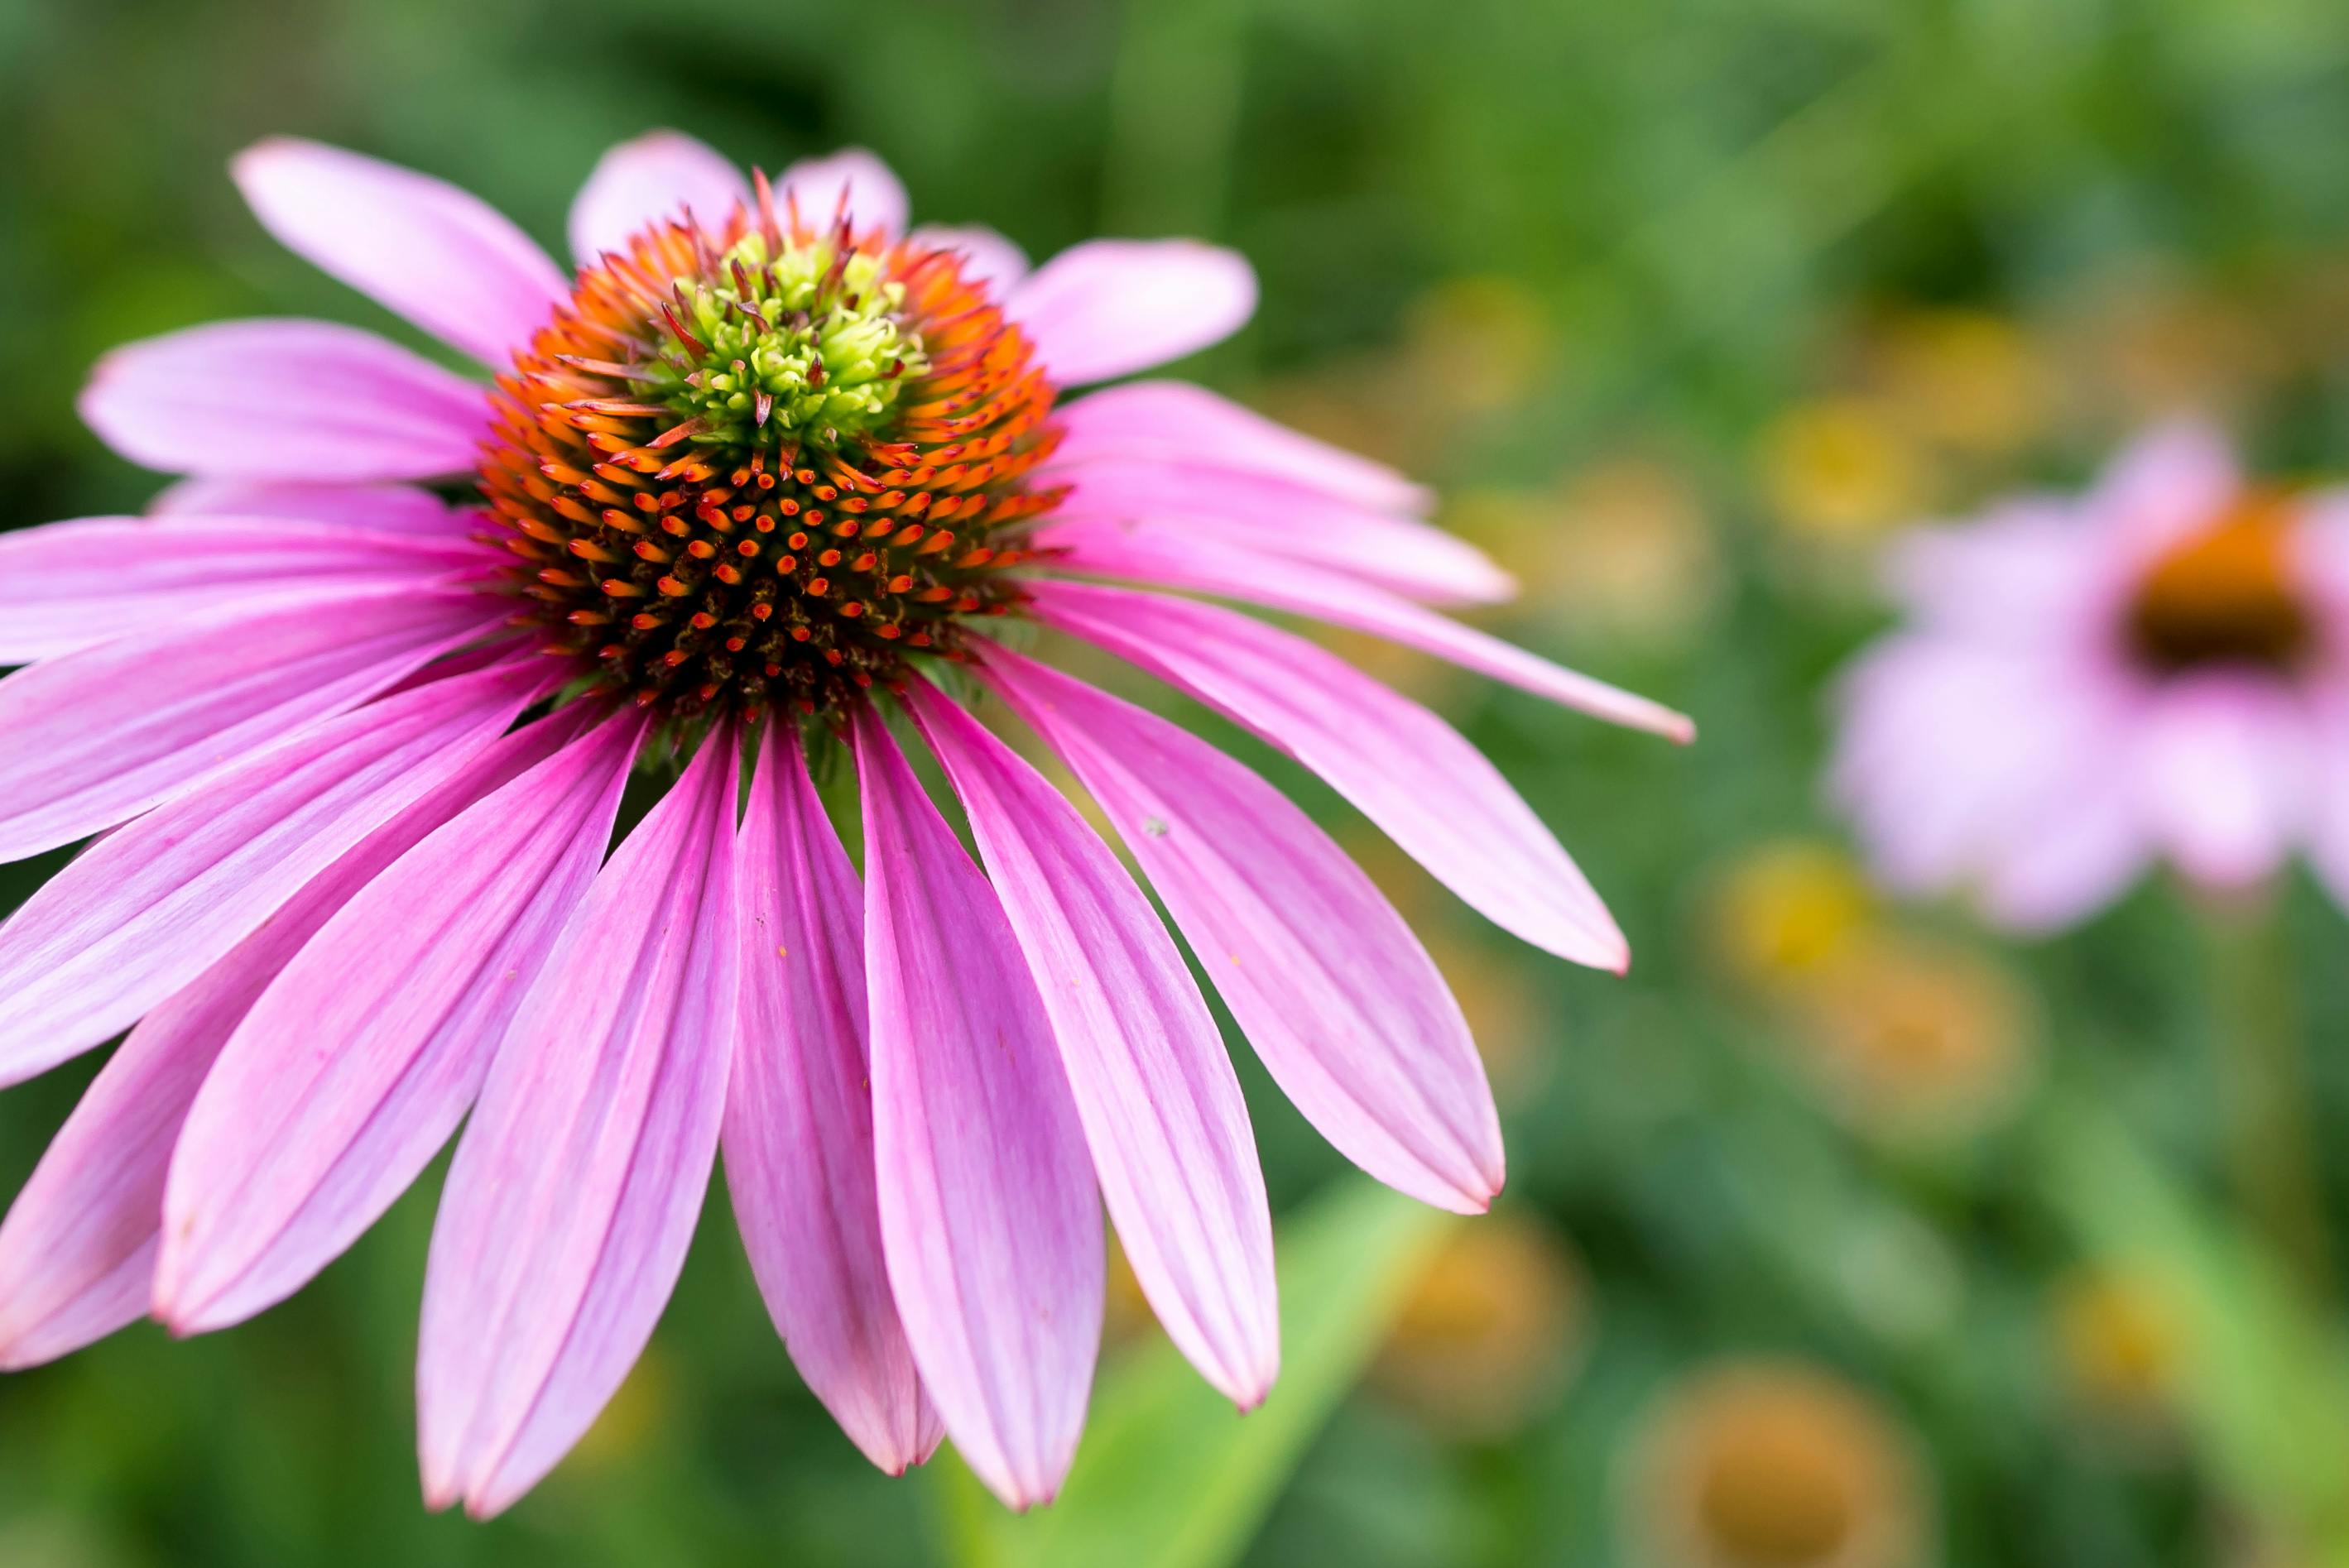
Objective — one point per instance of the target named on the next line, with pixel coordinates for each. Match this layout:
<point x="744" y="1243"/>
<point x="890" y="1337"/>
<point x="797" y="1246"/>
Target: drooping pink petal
<point x="989" y="1217"/>
<point x="78" y="1251"/>
<point x="2074" y="849"/>
<point x="1260" y="516"/>
<point x="2318" y="555"/>
<point x="851" y="179"/>
<point x="1176" y="422"/>
<point x="1110" y="307"/>
<point x="1406" y="769"/>
<point x="1207" y="565"/>
<point x="659" y="176"/>
<point x="390" y="509"/>
<point x="99" y="736"/>
<point x="2168" y="484"/>
<point x="150" y="907"/>
<point x="2328" y="846"/>
<point x="292" y="1151"/>
<point x="68" y="585"/>
<point x="1158" y="1097"/>
<point x="798" y="1120"/>
<point x="441" y="257"/>
<point x="2226" y="768"/>
<point x="576" y="1188"/>
<point x="988" y="259"/>
<point x="1948" y="744"/>
<point x="2033" y="571"/>
<point x="284" y="400"/>
<point x="1338" y="998"/>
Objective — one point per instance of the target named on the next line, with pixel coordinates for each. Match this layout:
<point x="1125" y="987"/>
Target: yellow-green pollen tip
<point x="805" y="346"/>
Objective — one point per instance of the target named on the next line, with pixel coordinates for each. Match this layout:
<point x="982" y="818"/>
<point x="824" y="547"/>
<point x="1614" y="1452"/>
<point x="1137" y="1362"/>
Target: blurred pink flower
<point x="767" y="462"/>
<point x="2156" y="671"/>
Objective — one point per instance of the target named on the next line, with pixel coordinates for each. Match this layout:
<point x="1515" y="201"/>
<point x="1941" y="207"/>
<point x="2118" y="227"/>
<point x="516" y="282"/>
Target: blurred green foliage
<point x="1510" y="242"/>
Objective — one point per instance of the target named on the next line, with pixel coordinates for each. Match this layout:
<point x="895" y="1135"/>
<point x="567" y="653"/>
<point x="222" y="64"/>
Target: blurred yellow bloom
<point x="2121" y="1346"/>
<point x="1783" y="909"/>
<point x="2156" y="347"/>
<point x="63" y="1540"/>
<point x="1843" y="469"/>
<point x="1352" y="403"/>
<point x="1470" y="348"/>
<point x="1967" y="378"/>
<point x="1760" y="1464"/>
<point x="1477" y="344"/>
<point x="1617" y="553"/>
<point x="1492" y="1331"/>
<point x="1911" y="1035"/>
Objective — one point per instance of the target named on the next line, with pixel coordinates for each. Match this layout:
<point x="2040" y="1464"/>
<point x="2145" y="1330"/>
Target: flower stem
<point x="2262" y="1068"/>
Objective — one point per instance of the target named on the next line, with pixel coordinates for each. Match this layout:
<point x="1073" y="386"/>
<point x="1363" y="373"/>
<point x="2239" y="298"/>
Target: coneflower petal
<point x="661" y="175"/>
<point x="989" y="1215"/>
<point x="2166" y="485"/>
<point x="441" y="257"/>
<point x="97" y="737"/>
<point x="284" y="400"/>
<point x="291" y="1151"/>
<point x="78" y="1251"/>
<point x="1271" y="518"/>
<point x="1406" y="769"/>
<point x="1176" y="422"/>
<point x="2022" y="729"/>
<point x="1110" y="307"/>
<point x="386" y="508"/>
<point x="798" y="1120"/>
<point x="68" y="585"/>
<point x="1160" y="1104"/>
<point x="2229" y="774"/>
<point x="2086" y="841"/>
<point x="1164" y="558"/>
<point x="1337" y="995"/>
<point x="576" y="1188"/>
<point x="150" y="908"/>
<point x="853" y="180"/>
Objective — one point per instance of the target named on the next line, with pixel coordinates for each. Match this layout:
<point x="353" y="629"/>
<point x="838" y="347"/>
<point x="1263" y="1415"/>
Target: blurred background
<point x="1838" y="1233"/>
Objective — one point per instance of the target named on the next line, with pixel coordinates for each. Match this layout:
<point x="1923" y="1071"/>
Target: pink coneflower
<point x="2157" y="671"/>
<point x="764" y="469"/>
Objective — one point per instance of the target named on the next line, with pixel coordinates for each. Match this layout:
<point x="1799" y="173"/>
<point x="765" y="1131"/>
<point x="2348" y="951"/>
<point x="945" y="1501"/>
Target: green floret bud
<point x="806" y="346"/>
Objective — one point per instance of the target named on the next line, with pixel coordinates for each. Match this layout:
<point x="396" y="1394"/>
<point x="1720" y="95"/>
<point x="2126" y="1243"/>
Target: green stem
<point x="2264" y="1070"/>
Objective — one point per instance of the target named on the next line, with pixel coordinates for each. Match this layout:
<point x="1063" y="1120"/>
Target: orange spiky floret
<point x="727" y="493"/>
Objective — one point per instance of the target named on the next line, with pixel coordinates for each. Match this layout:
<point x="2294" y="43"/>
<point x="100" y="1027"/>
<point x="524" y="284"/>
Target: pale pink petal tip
<point x="854" y="181"/>
<point x="284" y="399"/>
<point x="1165" y="557"/>
<point x="987" y="258"/>
<point x="1335" y="994"/>
<point x="1155" y="1093"/>
<point x="440" y="256"/>
<point x="289" y="1154"/>
<point x="1110" y="307"/>
<point x="1440" y="799"/>
<point x="990" y="1221"/>
<point x="575" y="1192"/>
<point x="798" y="1134"/>
<point x="661" y="175"/>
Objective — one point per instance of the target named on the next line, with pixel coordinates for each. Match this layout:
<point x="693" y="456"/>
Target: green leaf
<point x="1170" y="1476"/>
<point x="2266" y="1376"/>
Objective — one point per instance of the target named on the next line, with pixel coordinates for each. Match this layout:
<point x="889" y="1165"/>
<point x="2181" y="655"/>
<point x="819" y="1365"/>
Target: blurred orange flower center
<point x="2227" y="595"/>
